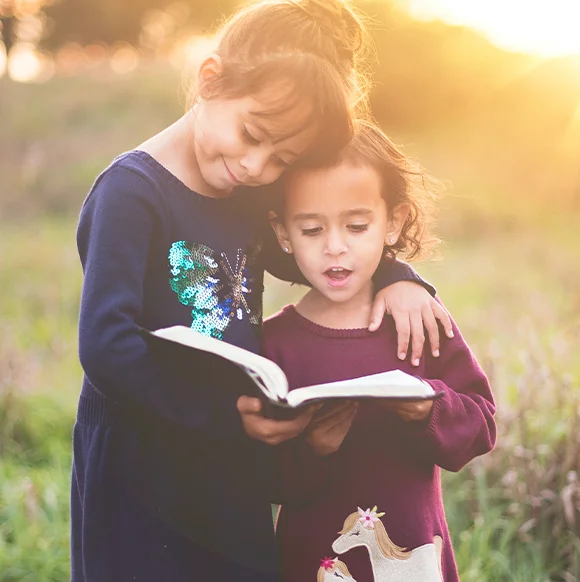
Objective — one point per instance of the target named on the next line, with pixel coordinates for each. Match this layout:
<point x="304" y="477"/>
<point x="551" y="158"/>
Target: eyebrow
<point x="306" y="216"/>
<point x="313" y="215"/>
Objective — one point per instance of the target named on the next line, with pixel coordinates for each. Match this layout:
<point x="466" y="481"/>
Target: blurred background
<point x="486" y="94"/>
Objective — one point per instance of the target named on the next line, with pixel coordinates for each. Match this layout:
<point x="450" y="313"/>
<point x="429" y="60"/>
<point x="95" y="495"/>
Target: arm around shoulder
<point x="390" y="272"/>
<point x="120" y="225"/>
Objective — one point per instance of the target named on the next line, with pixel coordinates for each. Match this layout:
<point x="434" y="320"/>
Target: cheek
<point x="218" y="134"/>
<point x="305" y="261"/>
<point x="271" y="173"/>
<point x="304" y="249"/>
<point x="372" y="250"/>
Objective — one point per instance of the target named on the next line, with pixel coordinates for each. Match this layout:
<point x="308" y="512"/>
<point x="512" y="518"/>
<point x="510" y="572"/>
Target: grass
<point x="34" y="482"/>
<point x="509" y="277"/>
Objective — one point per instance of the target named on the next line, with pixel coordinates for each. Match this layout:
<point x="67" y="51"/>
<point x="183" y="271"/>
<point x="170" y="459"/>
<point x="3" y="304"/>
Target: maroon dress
<point x="373" y="511"/>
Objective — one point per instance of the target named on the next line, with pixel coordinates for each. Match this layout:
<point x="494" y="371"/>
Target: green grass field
<point x="510" y="279"/>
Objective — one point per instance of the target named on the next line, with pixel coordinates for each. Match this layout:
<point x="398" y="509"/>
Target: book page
<point x="393" y="384"/>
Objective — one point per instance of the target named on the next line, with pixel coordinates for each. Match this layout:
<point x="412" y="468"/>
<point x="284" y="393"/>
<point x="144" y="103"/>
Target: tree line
<point x="104" y="21"/>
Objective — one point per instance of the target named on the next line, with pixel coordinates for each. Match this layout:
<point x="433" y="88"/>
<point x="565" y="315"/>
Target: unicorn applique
<point x="390" y="563"/>
<point x="333" y="570"/>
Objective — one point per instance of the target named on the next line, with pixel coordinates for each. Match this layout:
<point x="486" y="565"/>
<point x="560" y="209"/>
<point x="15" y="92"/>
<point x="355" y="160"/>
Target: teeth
<point x="336" y="269"/>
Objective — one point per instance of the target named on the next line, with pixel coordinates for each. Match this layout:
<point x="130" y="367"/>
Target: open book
<point x="239" y="365"/>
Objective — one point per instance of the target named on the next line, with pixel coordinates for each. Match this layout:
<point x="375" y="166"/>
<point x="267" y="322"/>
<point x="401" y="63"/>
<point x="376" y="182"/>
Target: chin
<point x="218" y="184"/>
<point x="338" y="297"/>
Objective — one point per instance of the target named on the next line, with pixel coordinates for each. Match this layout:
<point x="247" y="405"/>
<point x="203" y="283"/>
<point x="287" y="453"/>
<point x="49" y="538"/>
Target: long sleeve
<point x="118" y="224"/>
<point x="390" y="272"/>
<point x="461" y="425"/>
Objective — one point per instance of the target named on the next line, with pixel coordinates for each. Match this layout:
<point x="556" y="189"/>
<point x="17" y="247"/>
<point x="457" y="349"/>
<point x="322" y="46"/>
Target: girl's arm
<point x="461" y="423"/>
<point x="402" y="293"/>
<point x="119" y="225"/>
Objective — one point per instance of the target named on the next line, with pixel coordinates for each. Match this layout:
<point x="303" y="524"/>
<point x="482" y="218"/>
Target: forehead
<point x="282" y="115"/>
<point x="333" y="190"/>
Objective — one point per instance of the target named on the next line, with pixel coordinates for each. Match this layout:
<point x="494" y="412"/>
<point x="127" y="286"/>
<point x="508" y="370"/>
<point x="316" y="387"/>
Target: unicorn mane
<point x="338" y="565"/>
<point x="388" y="548"/>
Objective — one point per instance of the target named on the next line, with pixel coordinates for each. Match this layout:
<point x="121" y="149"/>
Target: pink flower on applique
<point x="327" y="563"/>
<point x="369" y="517"/>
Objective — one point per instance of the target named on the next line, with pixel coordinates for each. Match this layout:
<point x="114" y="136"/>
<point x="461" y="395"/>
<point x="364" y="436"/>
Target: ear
<point x="395" y="223"/>
<point x="281" y="233"/>
<point x="209" y="70"/>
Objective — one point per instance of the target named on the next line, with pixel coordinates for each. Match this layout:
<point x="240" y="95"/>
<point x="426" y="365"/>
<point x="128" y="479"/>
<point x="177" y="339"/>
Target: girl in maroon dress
<point x="363" y="481"/>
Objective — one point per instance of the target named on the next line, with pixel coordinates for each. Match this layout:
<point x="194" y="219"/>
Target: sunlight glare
<point x="24" y="64"/>
<point x="544" y="28"/>
<point x="124" y="59"/>
<point x="190" y="51"/>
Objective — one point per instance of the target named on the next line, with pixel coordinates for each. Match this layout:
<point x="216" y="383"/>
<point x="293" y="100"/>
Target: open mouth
<point x="337" y="276"/>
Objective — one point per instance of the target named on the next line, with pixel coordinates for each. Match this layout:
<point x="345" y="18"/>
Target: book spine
<point x="278" y="411"/>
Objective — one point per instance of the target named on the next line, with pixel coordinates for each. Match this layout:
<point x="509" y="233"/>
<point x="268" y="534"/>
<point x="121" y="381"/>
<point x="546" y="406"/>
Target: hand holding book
<point x="238" y="367"/>
<point x="410" y="411"/>
<point x="329" y="427"/>
<point x="269" y="431"/>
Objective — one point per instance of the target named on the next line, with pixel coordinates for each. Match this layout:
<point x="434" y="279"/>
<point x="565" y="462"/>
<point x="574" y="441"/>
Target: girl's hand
<point x="410" y="411"/>
<point x="267" y="430"/>
<point x="412" y="308"/>
<point x="327" y="430"/>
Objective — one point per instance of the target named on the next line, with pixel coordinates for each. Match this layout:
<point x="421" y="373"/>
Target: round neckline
<point x="173" y="180"/>
<point x="331" y="332"/>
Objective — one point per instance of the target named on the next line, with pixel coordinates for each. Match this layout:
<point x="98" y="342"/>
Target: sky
<point x="546" y="28"/>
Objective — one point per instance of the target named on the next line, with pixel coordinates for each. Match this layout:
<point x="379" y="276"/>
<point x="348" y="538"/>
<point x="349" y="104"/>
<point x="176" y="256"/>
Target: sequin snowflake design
<point x="217" y="289"/>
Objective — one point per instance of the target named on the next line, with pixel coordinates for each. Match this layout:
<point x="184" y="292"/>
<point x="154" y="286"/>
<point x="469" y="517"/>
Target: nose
<point x="254" y="162"/>
<point x="335" y="243"/>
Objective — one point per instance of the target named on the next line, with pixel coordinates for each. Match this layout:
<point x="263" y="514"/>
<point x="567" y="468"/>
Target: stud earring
<point x="391" y="241"/>
<point x="286" y="249"/>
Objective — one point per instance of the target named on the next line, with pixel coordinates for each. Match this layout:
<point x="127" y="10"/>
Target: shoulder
<point x="454" y="351"/>
<point x="277" y="331"/>
<point x="132" y="171"/>
<point x="127" y="201"/>
<point x="130" y="188"/>
<point x="279" y="322"/>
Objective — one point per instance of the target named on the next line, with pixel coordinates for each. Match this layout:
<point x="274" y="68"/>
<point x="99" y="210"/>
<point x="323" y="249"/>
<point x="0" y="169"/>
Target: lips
<point x="231" y="175"/>
<point x="337" y="276"/>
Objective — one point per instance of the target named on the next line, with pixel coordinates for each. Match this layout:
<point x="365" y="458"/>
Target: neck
<point x="174" y="148"/>
<point x="352" y="314"/>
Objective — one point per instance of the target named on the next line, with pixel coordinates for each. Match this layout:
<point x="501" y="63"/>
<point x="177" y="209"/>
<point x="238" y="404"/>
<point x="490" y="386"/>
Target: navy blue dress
<point x="165" y="483"/>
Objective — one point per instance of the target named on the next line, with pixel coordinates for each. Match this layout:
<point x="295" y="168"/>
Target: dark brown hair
<point x="403" y="181"/>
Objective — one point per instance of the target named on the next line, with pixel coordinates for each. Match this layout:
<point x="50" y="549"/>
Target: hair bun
<point x="341" y="22"/>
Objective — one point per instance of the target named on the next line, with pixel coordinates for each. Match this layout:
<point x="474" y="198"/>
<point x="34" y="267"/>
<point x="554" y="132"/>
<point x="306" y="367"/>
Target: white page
<point x="394" y="384"/>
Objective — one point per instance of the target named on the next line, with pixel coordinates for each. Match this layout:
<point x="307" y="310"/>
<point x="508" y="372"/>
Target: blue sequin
<point x="217" y="289"/>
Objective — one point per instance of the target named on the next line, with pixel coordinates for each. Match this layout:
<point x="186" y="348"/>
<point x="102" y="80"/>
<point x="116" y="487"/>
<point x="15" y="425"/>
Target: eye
<point x="337" y="575"/>
<point x="357" y="228"/>
<point x="355" y="533"/>
<point x="248" y="137"/>
<point x="312" y="231"/>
